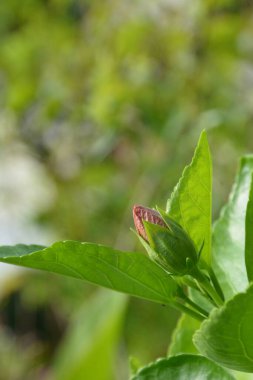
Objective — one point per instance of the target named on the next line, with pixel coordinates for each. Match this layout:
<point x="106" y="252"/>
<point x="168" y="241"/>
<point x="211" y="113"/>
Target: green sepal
<point x="155" y="257"/>
<point x="151" y="253"/>
<point x="175" y="227"/>
<point x="171" y="251"/>
<point x="178" y="230"/>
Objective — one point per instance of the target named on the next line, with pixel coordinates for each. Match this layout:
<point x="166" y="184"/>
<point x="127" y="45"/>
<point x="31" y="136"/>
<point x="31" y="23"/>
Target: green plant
<point x="206" y="275"/>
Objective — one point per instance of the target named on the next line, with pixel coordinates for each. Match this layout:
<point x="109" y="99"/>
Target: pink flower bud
<point x="166" y="242"/>
<point x="140" y="214"/>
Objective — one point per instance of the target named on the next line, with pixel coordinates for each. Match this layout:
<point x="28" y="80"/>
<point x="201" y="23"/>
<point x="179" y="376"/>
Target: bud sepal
<point x="165" y="240"/>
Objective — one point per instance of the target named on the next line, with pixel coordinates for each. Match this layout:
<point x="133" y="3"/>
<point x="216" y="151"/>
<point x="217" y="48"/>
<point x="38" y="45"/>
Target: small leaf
<point x="182" y="336"/>
<point x="227" y="335"/>
<point x="134" y="365"/>
<point x="18" y="250"/>
<point x="190" y="202"/>
<point x="93" y="334"/>
<point x="229" y="234"/>
<point x="182" y="367"/>
<point x="249" y="235"/>
<point x="126" y="272"/>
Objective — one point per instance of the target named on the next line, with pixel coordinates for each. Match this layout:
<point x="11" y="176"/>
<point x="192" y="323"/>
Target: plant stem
<point x="196" y="307"/>
<point x="187" y="310"/>
<point x="212" y="292"/>
<point x="191" y="283"/>
<point x="196" y="286"/>
<point x="216" y="283"/>
<point x="207" y="286"/>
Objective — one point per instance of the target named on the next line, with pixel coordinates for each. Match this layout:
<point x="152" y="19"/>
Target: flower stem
<point x="207" y="286"/>
<point x="196" y="307"/>
<point x="216" y="283"/>
<point x="186" y="310"/>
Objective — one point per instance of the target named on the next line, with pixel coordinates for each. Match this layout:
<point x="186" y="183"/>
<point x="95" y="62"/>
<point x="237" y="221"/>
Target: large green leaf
<point x="182" y="336"/>
<point x="229" y="234"/>
<point x="191" y="201"/>
<point x="243" y="375"/>
<point x="127" y="272"/>
<point x="227" y="335"/>
<point x="183" y="367"/>
<point x="249" y="235"/>
<point x="92" y="336"/>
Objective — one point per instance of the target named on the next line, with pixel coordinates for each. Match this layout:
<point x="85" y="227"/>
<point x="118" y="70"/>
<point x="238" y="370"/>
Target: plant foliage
<point x="226" y="335"/>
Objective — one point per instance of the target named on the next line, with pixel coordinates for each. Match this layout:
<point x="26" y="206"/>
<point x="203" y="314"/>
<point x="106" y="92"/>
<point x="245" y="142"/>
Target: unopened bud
<point x="141" y="214"/>
<point x="166" y="241"/>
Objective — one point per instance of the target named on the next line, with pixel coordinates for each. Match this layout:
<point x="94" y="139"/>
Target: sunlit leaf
<point x="191" y="201"/>
<point x="227" y="335"/>
<point x="229" y="234"/>
<point x="182" y="336"/>
<point x="126" y="272"/>
<point x="183" y="367"/>
<point x="249" y="235"/>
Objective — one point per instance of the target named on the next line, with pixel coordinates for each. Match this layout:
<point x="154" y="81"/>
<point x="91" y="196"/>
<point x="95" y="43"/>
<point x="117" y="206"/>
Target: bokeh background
<point x="102" y="103"/>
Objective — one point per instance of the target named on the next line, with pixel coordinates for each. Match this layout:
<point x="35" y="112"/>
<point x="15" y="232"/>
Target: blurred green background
<point x="102" y="103"/>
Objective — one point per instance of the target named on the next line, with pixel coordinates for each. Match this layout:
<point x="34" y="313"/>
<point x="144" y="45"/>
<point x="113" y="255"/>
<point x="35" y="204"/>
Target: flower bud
<point x="165" y="240"/>
<point x="141" y="214"/>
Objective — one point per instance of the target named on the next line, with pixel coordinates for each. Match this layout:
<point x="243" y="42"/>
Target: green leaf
<point x="134" y="365"/>
<point x="93" y="334"/>
<point x="249" y="235"/>
<point x="243" y="375"/>
<point x="227" y="335"/>
<point x="191" y="201"/>
<point x="182" y="336"/>
<point x="127" y="272"/>
<point x="183" y="367"/>
<point x="229" y="234"/>
<point x="18" y="250"/>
